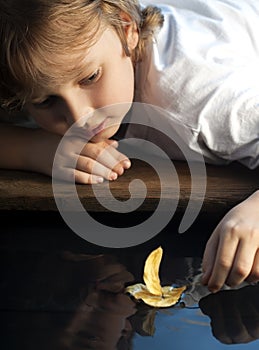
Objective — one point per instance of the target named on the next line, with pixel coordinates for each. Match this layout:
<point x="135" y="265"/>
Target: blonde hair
<point x="32" y="31"/>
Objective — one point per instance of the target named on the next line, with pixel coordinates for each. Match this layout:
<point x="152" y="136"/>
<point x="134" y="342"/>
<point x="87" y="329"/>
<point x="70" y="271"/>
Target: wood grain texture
<point x="226" y="186"/>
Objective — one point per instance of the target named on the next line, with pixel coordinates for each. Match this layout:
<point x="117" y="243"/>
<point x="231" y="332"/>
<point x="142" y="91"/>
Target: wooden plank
<point x="226" y="186"/>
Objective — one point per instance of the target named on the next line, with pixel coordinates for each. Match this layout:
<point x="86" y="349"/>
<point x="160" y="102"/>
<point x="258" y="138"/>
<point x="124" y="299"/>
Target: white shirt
<point x="203" y="69"/>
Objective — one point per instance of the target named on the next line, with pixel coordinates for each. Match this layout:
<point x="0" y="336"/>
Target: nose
<point x="78" y="109"/>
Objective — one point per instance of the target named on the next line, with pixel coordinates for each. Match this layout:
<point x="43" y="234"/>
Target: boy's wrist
<point x="40" y="152"/>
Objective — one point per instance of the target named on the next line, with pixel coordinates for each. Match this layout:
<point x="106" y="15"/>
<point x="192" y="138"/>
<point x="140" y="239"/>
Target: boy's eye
<point x="45" y="103"/>
<point x="92" y="78"/>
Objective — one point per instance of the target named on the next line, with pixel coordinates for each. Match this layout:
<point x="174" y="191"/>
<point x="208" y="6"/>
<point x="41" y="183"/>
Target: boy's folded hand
<point x="87" y="163"/>
<point x="232" y="252"/>
<point x="99" y="161"/>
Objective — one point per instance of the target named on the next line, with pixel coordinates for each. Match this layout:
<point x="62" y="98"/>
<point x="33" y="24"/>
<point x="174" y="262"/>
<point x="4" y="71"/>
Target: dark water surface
<point x="59" y="292"/>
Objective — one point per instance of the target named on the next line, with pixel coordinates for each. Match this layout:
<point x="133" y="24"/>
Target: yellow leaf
<point x="170" y="295"/>
<point x="151" y="270"/>
<point x="152" y="293"/>
<point x="165" y="301"/>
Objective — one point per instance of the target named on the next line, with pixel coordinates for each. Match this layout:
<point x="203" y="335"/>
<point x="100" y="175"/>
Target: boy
<point x="62" y="60"/>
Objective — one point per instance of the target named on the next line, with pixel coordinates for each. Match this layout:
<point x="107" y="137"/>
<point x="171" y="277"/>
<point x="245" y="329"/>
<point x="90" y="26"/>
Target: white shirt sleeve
<point x="229" y="122"/>
<point x="204" y="69"/>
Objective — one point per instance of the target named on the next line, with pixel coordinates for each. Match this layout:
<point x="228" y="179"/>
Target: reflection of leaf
<point x="148" y="325"/>
<point x="152" y="293"/>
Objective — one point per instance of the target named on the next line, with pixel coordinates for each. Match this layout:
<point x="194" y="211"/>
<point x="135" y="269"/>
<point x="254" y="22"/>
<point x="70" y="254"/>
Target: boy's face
<point x="107" y="78"/>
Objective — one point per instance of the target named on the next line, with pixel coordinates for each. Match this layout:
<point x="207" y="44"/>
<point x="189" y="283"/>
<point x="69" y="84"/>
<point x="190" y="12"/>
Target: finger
<point x="92" y="167"/>
<point x="242" y="265"/>
<point x="117" y="303"/>
<point x="252" y="321"/>
<point x="116" y="282"/>
<point x="113" y="159"/>
<point x="209" y="257"/>
<point x="74" y="175"/>
<point x="113" y="143"/>
<point x="108" y="156"/>
<point x="121" y="159"/>
<point x="215" y="311"/>
<point x="235" y="327"/>
<point x="83" y="178"/>
<point x="224" y="260"/>
<point x="110" y="269"/>
<point x="254" y="273"/>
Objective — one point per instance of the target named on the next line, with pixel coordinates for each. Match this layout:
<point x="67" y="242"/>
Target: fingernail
<point x="113" y="176"/>
<point x="115" y="144"/>
<point x="120" y="171"/>
<point x="100" y="180"/>
<point x="127" y="164"/>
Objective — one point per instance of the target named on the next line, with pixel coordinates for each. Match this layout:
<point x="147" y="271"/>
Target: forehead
<point x="60" y="66"/>
<point x="65" y="65"/>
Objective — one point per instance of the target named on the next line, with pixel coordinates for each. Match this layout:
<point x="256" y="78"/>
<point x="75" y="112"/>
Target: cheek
<point x="127" y="80"/>
<point x="120" y="82"/>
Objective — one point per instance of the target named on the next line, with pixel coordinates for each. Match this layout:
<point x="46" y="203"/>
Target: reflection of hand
<point x="102" y="270"/>
<point x="100" y="322"/>
<point x="234" y="314"/>
<point x="101" y="319"/>
<point x="232" y="252"/>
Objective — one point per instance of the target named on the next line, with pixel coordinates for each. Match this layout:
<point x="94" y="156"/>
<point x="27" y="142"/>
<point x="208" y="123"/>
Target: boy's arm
<point x="35" y="150"/>
<point x="232" y="252"/>
<point x="22" y="148"/>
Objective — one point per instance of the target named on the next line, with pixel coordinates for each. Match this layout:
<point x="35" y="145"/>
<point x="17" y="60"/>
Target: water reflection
<point x="101" y="320"/>
<point x="234" y="314"/>
<point x="78" y="302"/>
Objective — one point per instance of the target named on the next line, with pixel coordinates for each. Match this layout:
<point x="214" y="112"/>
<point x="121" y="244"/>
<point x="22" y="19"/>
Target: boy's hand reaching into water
<point x="232" y="252"/>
